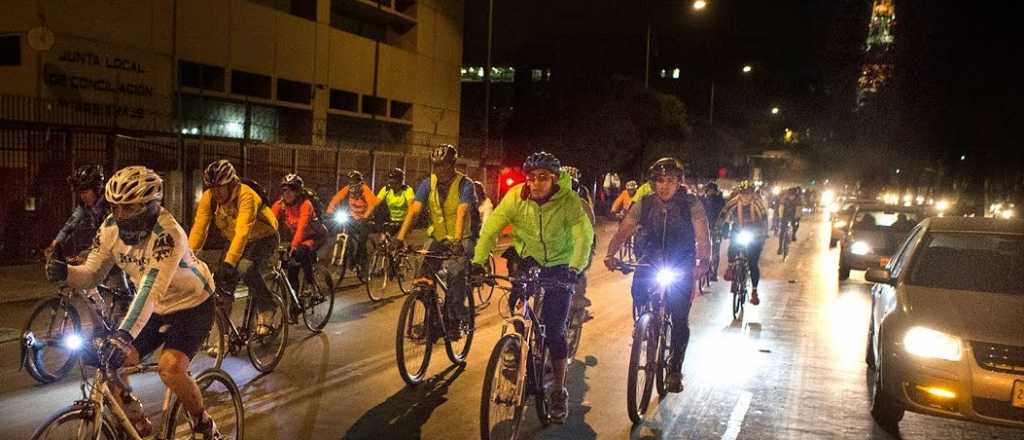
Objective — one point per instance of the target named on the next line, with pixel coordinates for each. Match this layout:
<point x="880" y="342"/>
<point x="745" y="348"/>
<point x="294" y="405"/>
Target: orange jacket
<point x="358" y="210"/>
<point x="298" y="219"/>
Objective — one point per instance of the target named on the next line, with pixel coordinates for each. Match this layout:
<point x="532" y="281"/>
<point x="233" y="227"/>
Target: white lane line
<point x="739" y="412"/>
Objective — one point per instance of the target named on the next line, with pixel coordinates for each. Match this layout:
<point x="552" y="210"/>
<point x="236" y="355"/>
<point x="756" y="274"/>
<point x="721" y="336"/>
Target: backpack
<point x="262" y="193"/>
<point x="318" y="205"/>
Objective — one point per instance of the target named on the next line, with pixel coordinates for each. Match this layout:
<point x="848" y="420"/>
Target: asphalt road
<point x="791" y="369"/>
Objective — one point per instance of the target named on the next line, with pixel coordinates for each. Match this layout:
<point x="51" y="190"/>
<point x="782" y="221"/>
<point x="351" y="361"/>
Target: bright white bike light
<point x="72" y="342"/>
<point x="744" y="238"/>
<point x="666" y="277"/>
<point x="341" y="218"/>
<point x="928" y="343"/>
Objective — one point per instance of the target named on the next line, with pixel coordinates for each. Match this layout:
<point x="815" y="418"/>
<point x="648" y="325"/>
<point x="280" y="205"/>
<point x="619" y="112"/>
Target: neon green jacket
<point x="397" y="202"/>
<point x="555" y="233"/>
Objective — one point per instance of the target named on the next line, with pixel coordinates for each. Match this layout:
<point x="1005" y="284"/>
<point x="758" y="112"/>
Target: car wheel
<point x="886" y="410"/>
<point x="844" y="269"/>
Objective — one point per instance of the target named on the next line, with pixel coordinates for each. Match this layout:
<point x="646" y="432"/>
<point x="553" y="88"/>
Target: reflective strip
<point x="140" y="299"/>
<point x="202" y="279"/>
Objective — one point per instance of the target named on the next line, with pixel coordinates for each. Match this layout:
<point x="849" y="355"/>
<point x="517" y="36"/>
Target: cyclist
<point x="789" y="211"/>
<point x="580" y="300"/>
<point x="90" y="210"/>
<point x="747" y="210"/>
<point x="713" y="203"/>
<point x="397" y="196"/>
<point x="621" y="204"/>
<point x="300" y="221"/>
<point x="245" y="220"/>
<point x="449" y="197"/>
<point x="677" y="236"/>
<point x="550" y="230"/>
<point x="172" y="307"/>
<point x="484" y="206"/>
<point x="359" y="199"/>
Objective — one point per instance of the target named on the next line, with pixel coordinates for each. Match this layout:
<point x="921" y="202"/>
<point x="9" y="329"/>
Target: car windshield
<point x="897" y="220"/>
<point x="970" y="261"/>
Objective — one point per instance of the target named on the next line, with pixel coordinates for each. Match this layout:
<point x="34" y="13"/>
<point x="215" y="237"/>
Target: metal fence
<point x="36" y="158"/>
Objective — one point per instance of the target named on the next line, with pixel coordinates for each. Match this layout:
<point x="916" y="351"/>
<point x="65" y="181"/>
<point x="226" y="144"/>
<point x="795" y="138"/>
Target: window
<point x="401" y="110"/>
<point x="344" y="100"/>
<point x="200" y="76"/>
<point x="250" y="84"/>
<point x="358" y="26"/>
<point x="374" y="105"/>
<point x="294" y="91"/>
<point x="10" y="50"/>
<point x="897" y="220"/>
<point x="213" y="117"/>
<point x="970" y="261"/>
<point x="299" y="8"/>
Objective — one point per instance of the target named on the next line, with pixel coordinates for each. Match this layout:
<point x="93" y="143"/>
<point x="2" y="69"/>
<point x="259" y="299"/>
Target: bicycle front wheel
<point x="267" y="332"/>
<point x="223" y="403"/>
<point x="503" y="400"/>
<point x="640" y="377"/>
<point x="76" y="422"/>
<point x="377" y="275"/>
<point x="414" y="339"/>
<point x="459" y="339"/>
<point x="317" y="300"/>
<point x="664" y="352"/>
<point x="52" y="321"/>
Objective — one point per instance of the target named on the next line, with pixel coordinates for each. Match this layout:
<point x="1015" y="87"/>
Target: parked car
<point x="946" y="336"/>
<point x="873" y="234"/>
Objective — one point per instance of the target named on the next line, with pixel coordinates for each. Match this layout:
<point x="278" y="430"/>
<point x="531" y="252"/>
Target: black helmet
<point x="444" y="154"/>
<point x="666" y="166"/>
<point x="354" y="177"/>
<point x="292" y="181"/>
<point x="711" y="186"/>
<point x="87" y="177"/>
<point x="542" y="160"/>
<point x="397" y="174"/>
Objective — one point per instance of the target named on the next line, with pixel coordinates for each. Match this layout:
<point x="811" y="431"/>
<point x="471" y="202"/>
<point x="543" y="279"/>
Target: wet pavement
<point x="792" y="368"/>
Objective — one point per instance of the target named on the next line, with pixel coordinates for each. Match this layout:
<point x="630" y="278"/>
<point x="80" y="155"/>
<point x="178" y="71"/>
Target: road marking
<point x="739" y="412"/>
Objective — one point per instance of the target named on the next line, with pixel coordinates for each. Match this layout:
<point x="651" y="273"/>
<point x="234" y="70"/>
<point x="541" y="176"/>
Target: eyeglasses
<point x="541" y="177"/>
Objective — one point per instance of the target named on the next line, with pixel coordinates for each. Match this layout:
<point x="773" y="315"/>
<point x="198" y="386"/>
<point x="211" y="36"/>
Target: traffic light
<point x="507" y="178"/>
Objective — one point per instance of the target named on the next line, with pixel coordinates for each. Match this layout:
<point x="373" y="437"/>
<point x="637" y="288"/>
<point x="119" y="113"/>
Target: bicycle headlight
<point x="860" y="248"/>
<point x="925" y="342"/>
<point x="744" y="238"/>
<point x="72" y="341"/>
<point x="666" y="277"/>
<point x="341" y="218"/>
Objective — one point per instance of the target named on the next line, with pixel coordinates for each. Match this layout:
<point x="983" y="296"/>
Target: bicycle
<point x="484" y="292"/>
<point x="314" y="301"/>
<point x="98" y="415"/>
<point x="577" y="316"/>
<point x="651" y="349"/>
<point x="784" y="238"/>
<point x="740" y="273"/>
<point x="343" y="255"/>
<point x="414" y="336"/>
<point x="509" y="382"/>
<point x="264" y="342"/>
<point x="386" y="265"/>
<point x="53" y="332"/>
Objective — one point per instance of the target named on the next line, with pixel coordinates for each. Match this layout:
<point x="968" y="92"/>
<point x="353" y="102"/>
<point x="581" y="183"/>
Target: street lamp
<point x="747" y="68"/>
<point x="699" y="5"/>
<point x="775" y="110"/>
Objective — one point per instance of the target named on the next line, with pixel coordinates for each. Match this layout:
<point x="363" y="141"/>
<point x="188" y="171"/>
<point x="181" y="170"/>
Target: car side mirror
<point x="880" y="276"/>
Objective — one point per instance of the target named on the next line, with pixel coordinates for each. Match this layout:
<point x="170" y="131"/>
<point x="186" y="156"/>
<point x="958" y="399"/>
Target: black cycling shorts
<point x="184" y="330"/>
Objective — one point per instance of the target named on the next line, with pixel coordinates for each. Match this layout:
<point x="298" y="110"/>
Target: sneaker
<point x="559" y="406"/>
<point x="674" y="382"/>
<point x="133" y="409"/>
<point x="206" y="430"/>
<point x="754" y="300"/>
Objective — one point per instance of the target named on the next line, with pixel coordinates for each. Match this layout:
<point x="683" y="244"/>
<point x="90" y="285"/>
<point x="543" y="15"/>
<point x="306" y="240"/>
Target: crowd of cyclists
<point x="552" y="222"/>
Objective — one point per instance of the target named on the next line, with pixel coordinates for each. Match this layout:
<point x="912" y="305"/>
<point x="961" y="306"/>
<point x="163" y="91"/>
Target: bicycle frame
<point x="528" y="318"/>
<point x="102" y="396"/>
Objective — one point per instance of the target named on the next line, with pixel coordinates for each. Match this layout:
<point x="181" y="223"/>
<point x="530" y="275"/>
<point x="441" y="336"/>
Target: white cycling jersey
<point x="167" y="275"/>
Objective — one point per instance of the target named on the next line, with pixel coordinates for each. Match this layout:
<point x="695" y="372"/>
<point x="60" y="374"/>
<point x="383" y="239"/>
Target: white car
<point x="947" y="324"/>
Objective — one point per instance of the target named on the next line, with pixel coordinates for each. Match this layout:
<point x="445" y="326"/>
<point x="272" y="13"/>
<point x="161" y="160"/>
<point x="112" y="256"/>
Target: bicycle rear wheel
<point x="267" y="331"/>
<point x="502" y="402"/>
<point x="317" y="300"/>
<point x="223" y="403"/>
<point x="458" y="348"/>
<point x="640" y="377"/>
<point x="53" y="320"/>
<point x="414" y="339"/>
<point x="77" y="421"/>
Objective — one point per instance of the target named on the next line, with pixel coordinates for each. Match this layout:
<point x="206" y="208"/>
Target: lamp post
<point x="698" y="5"/>
<point x="746" y="69"/>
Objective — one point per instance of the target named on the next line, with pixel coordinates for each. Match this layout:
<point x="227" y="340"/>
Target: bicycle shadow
<point x="576" y="426"/>
<point x="358" y="310"/>
<point x="403" y="414"/>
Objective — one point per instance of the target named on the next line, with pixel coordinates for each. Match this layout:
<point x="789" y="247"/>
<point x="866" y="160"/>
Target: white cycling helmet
<point x="134" y="184"/>
<point x="219" y="173"/>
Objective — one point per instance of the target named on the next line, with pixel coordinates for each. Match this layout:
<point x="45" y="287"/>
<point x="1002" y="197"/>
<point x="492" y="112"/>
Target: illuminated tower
<point x="876" y="71"/>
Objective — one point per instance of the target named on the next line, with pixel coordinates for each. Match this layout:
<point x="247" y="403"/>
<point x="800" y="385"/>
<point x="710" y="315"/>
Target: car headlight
<point x="840" y="224"/>
<point x="341" y="218"/>
<point x="744" y="238"/>
<point x="666" y="277"/>
<point x="1006" y="214"/>
<point x="860" y="248"/>
<point x="928" y="343"/>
